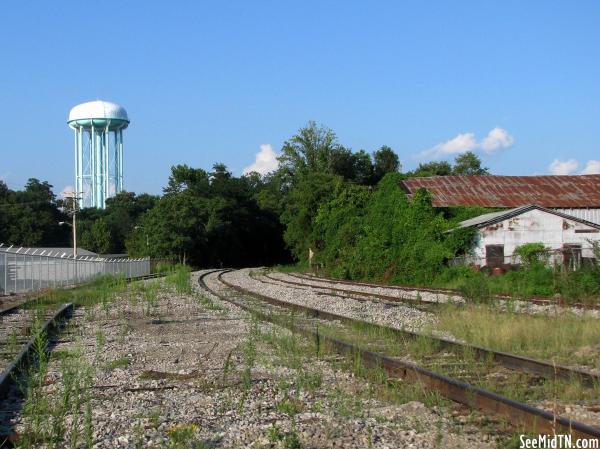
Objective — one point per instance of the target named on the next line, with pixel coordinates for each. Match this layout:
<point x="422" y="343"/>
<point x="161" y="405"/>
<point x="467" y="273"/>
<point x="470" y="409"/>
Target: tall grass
<point x="566" y="338"/>
<point x="582" y="285"/>
<point x="180" y="279"/>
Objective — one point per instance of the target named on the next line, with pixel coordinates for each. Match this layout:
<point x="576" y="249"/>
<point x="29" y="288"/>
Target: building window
<point x="494" y="255"/>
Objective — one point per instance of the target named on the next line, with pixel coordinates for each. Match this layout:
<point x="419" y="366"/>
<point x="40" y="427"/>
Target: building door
<point x="571" y="256"/>
<point x="494" y="255"/>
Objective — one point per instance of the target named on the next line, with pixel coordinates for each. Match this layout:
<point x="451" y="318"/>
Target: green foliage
<point x="339" y="224"/>
<point x="465" y="164"/>
<point x="385" y="161"/>
<point x="302" y="204"/>
<point x="434" y="168"/>
<point x="460" y="240"/>
<point x="98" y="238"/>
<point x="381" y="235"/>
<point x="535" y="279"/>
<point x="468" y="164"/>
<point x="106" y="230"/>
<point x="30" y="217"/>
<point x="531" y="253"/>
<point x="211" y="219"/>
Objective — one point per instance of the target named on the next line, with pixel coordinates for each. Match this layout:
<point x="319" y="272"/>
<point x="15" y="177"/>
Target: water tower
<point x="98" y="127"/>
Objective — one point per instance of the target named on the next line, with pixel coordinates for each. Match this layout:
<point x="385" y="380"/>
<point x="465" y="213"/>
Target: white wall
<point x="535" y="226"/>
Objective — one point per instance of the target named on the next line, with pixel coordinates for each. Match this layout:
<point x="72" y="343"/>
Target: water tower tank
<point x="98" y="127"/>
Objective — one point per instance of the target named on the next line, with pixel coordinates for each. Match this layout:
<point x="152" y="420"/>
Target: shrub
<point x="532" y="253"/>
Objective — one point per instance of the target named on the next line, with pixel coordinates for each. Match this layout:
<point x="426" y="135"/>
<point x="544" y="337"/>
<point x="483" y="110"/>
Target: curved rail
<point x="508" y="360"/>
<point x="410" y="301"/>
<point x="519" y="414"/>
<point x="542" y="301"/>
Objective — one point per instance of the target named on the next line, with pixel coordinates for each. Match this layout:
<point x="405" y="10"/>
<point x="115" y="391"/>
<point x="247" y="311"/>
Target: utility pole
<point x="73" y="207"/>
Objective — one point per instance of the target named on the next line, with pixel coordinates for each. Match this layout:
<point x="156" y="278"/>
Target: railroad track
<point x="18" y="343"/>
<point x="510" y="361"/>
<point x="356" y="294"/>
<point x="518" y="413"/>
<point x="20" y="326"/>
<point x="542" y="301"/>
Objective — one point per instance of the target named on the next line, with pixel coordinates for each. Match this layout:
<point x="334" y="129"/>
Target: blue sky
<point x="207" y="82"/>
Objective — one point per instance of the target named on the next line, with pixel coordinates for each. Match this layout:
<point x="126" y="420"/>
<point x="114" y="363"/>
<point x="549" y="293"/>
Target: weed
<point x="117" y="363"/>
<point x="226" y="368"/>
<point x="275" y="434"/>
<point x="183" y="436"/>
<point x="180" y="280"/>
<point x="100" y="339"/>
<point x="210" y="304"/>
<point x="567" y="338"/>
<point x="289" y="405"/>
<point x="12" y="344"/>
<point x="292" y="441"/>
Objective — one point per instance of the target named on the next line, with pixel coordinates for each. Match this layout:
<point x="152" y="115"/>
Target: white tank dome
<point x="98" y="114"/>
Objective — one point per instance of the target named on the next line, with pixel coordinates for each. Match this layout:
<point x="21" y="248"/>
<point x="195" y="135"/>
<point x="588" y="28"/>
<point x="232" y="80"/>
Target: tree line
<point x="342" y="204"/>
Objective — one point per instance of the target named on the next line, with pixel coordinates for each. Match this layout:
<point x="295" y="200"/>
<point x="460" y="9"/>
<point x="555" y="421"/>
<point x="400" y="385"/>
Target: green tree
<point x="309" y="151"/>
<point x="434" y="168"/>
<point x="302" y="204"/>
<point x="468" y="164"/>
<point x="385" y="161"/>
<point x="382" y="235"/>
<point x="95" y="236"/>
<point x="32" y="216"/>
<point x="339" y="225"/>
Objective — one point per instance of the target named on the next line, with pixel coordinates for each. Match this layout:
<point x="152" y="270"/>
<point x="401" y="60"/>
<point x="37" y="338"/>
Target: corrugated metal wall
<point x="592" y="215"/>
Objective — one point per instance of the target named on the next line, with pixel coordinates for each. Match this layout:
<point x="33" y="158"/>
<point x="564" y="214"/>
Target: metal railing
<point x="26" y="269"/>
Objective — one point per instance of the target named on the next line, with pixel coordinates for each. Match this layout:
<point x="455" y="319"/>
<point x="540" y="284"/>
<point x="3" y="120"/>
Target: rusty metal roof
<point x="509" y="191"/>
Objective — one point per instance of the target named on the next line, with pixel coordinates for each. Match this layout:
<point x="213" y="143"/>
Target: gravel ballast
<point x="190" y="371"/>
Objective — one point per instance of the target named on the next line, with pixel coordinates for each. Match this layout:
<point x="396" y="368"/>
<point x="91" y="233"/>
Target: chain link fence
<point x="26" y="269"/>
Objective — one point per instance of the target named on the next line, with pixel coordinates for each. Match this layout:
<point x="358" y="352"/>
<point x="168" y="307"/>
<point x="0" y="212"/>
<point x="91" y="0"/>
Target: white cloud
<point x="460" y="144"/>
<point x="591" y="168"/>
<point x="558" y="167"/>
<point x="496" y="139"/>
<point x="265" y="161"/>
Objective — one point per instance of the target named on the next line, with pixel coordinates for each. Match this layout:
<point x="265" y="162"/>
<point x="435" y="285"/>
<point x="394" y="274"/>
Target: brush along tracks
<point x="378" y="349"/>
<point x="24" y="337"/>
<point x="19" y="328"/>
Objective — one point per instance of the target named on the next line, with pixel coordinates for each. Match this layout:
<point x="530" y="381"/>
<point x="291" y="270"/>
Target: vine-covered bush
<point x="382" y="235"/>
<point x="532" y="253"/>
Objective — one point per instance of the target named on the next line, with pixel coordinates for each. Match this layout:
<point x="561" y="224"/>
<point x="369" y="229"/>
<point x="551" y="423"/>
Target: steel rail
<point x="27" y="354"/>
<point x="501" y="296"/>
<point x="520" y="415"/>
<point x="508" y="360"/>
<point x="410" y="301"/>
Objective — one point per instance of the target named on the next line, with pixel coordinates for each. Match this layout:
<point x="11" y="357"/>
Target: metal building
<point x="568" y="239"/>
<point x="578" y="196"/>
<point x="98" y="127"/>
